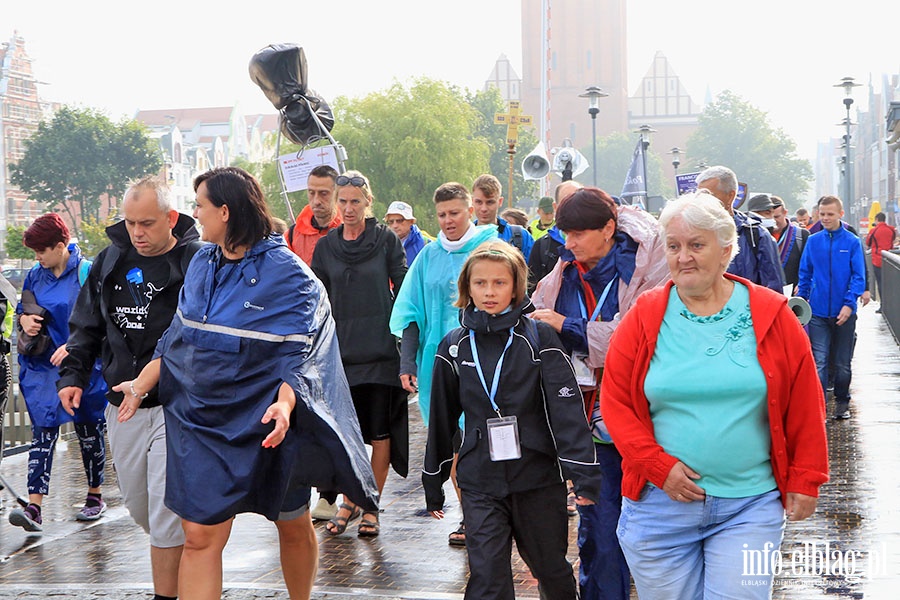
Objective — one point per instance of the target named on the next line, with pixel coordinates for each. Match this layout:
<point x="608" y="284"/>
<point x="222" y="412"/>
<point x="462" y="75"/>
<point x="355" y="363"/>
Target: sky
<point x="781" y="56"/>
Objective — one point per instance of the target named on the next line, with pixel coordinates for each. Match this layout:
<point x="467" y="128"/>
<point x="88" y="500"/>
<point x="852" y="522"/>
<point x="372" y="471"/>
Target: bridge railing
<point x="890" y="301"/>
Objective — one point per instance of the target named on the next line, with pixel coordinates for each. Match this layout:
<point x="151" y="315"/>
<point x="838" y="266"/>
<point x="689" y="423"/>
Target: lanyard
<point x="600" y="302"/>
<point x="496" y="381"/>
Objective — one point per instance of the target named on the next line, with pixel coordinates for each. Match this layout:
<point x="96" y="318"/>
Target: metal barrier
<point x="890" y="301"/>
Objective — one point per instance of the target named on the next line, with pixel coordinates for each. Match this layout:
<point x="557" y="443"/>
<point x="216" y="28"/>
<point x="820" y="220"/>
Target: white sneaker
<point x="324" y="510"/>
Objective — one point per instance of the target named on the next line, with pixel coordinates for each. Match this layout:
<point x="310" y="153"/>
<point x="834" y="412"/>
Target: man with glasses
<point x="317" y="217"/>
<point x="400" y="219"/>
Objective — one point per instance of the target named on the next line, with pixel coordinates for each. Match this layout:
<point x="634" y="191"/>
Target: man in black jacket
<point x="123" y="309"/>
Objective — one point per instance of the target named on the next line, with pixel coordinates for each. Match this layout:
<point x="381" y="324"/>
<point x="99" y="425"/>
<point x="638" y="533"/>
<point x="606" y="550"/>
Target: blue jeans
<point x="714" y="548"/>
<point x="603" y="574"/>
<point x="833" y="343"/>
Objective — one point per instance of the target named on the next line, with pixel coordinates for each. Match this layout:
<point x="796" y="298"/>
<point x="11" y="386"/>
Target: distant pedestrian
<point x="802" y="217"/>
<point x="400" y="219"/>
<point x="516" y="216"/>
<point x="361" y="263"/>
<point x="522" y="437"/>
<point x="832" y="280"/>
<point x="757" y="259"/>
<point x="55" y="283"/>
<point x="882" y="237"/>
<point x="540" y="225"/>
<point x="317" y="217"/>
<point x="791" y="239"/>
<point x="487" y="199"/>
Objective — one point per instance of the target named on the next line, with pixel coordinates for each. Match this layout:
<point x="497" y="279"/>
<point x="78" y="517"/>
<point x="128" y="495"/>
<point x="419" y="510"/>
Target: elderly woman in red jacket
<point x="711" y="395"/>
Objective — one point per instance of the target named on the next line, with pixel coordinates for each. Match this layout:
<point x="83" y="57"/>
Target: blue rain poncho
<point x="426" y="298"/>
<point x="239" y="332"/>
<point x="37" y="375"/>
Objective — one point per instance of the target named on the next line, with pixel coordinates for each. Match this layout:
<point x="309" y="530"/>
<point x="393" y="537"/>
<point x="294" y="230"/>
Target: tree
<point x="409" y="140"/>
<point x="14" y="246"/>
<point x="738" y="135"/>
<point x="93" y="237"/>
<point x="73" y="161"/>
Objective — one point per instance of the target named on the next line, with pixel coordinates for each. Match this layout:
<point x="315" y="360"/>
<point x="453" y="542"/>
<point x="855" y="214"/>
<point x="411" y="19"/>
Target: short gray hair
<point x="726" y="177"/>
<point x="701" y="210"/>
<point x="157" y="185"/>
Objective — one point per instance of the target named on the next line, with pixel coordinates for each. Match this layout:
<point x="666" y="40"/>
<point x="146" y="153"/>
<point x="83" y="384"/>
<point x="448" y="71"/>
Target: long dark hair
<point x="249" y="218"/>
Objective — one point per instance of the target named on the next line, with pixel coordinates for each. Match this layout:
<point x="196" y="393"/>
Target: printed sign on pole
<point x="295" y="167"/>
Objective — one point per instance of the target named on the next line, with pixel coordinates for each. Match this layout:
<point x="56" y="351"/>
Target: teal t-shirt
<point x="707" y="395"/>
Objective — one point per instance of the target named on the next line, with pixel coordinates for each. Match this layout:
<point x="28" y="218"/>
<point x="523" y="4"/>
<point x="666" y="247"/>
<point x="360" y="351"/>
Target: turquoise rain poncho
<point x="426" y="298"/>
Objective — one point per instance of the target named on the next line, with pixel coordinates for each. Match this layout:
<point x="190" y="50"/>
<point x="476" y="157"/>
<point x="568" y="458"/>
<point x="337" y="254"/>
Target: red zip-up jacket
<point x="796" y="409"/>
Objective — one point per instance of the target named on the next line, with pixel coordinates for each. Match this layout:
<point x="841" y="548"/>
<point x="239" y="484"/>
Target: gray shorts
<point x="138" y="449"/>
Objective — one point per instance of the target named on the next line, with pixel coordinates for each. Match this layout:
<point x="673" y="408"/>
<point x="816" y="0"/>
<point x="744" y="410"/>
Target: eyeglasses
<point x="394" y="221"/>
<point x="355" y="181"/>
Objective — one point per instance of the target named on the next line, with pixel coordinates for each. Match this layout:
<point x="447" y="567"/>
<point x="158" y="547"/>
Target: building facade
<point x="21" y="110"/>
<point x="587" y="47"/>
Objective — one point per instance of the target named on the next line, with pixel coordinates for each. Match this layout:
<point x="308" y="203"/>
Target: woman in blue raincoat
<point x="55" y="283"/>
<point x="256" y="402"/>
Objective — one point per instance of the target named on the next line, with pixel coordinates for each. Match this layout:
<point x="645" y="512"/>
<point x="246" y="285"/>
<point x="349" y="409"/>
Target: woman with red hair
<point x="55" y="283"/>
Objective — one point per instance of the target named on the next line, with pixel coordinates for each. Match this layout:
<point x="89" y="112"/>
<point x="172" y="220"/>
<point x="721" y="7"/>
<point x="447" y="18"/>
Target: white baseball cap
<point x="400" y="208"/>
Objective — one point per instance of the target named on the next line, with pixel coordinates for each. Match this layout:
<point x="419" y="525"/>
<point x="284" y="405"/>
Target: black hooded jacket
<point x="537" y="385"/>
<point x="94" y="333"/>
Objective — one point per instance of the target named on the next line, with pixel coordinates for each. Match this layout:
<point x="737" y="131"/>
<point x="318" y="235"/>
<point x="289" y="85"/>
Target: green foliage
<point x="614" y="153"/>
<point x="93" y="237"/>
<point x="409" y="140"/>
<point x="14" y="246"/>
<point x="738" y="135"/>
<point x="79" y="156"/>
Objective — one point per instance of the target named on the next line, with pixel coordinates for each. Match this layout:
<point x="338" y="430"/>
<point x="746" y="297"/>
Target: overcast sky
<point x="782" y="56"/>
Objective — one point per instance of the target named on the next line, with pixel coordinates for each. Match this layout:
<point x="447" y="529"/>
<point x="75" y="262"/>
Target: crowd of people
<point x="560" y="365"/>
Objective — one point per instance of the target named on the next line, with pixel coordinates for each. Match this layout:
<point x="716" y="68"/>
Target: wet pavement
<point x="849" y="549"/>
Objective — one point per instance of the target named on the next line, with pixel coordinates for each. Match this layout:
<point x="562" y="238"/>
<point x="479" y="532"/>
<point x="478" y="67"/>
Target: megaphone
<point x="535" y="166"/>
<point x="801" y="309"/>
<point x="567" y="159"/>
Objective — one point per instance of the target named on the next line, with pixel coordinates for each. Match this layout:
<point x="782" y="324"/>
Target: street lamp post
<point x="676" y="160"/>
<point x="593" y="94"/>
<point x="848" y="84"/>
<point x="645" y="131"/>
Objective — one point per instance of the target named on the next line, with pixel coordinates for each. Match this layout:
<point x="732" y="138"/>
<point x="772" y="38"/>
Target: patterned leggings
<point x="43" y="443"/>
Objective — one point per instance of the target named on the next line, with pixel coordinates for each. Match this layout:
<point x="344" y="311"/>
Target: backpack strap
<point x="84" y="269"/>
<point x="517" y="233"/>
<point x="291" y="236"/>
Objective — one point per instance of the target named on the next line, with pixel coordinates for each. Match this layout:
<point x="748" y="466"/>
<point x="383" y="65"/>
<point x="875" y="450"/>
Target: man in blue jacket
<point x="487" y="198"/>
<point x="758" y="259"/>
<point x="832" y="279"/>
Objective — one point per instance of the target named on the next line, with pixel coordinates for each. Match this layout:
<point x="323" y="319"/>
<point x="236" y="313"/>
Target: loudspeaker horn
<point x="535" y="166"/>
<point x="801" y="309"/>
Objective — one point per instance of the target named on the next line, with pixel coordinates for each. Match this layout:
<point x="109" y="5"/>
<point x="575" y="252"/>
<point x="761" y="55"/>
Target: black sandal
<point x="458" y="537"/>
<point x="368" y="528"/>
<point x="338" y="523"/>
